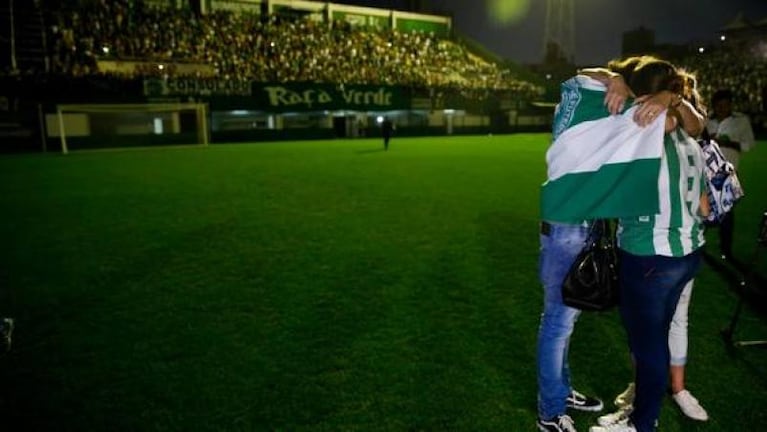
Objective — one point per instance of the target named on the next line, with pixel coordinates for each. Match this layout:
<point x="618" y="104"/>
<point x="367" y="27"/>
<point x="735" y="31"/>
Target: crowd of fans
<point x="274" y="48"/>
<point x="744" y="71"/>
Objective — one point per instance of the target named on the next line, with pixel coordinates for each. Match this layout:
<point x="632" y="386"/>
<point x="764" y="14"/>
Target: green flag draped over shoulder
<point x="599" y="165"/>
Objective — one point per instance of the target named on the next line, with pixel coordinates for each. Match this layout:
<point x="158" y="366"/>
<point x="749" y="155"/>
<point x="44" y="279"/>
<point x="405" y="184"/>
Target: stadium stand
<point x="741" y="71"/>
<point x="245" y="45"/>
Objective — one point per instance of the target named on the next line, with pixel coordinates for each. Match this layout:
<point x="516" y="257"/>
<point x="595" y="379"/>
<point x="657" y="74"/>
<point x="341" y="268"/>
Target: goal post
<point x="137" y="119"/>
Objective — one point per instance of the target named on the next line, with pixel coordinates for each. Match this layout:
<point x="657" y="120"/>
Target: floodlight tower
<point x="560" y="27"/>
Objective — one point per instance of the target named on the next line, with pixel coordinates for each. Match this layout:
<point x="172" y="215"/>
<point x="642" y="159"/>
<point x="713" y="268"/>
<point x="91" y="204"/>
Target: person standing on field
<point x="387" y="128"/>
<point x="732" y="131"/>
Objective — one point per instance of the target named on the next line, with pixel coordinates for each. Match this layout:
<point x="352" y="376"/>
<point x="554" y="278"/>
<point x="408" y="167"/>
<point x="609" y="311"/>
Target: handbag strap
<point x="601" y="229"/>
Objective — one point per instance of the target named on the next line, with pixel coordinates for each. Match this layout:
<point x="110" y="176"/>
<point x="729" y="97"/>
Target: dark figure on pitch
<point x="387" y="128"/>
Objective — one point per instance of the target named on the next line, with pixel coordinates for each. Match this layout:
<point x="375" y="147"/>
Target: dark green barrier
<point x="226" y="95"/>
<point x="122" y="141"/>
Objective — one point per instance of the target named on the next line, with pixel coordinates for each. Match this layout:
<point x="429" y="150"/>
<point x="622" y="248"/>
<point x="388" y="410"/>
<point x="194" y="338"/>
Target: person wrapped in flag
<point x="591" y="103"/>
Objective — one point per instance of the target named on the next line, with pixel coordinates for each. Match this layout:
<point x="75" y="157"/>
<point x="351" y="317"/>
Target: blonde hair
<point x="690" y="90"/>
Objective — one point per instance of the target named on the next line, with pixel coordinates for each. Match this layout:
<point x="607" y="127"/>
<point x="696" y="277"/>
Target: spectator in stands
<point x="249" y="46"/>
<point x="742" y="69"/>
<point x="732" y="131"/>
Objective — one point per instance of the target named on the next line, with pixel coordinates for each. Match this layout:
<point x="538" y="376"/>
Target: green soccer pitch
<point x="315" y="286"/>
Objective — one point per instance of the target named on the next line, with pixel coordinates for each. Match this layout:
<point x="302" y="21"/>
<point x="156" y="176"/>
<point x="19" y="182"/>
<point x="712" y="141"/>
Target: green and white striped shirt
<point x="678" y="229"/>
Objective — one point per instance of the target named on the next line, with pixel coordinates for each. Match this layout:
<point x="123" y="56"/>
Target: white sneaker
<point x="614" y="428"/>
<point x="561" y="423"/>
<point x="626" y="398"/>
<point x="618" y="417"/>
<point x="690" y="406"/>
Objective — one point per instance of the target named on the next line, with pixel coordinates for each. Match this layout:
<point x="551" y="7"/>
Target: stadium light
<point x="161" y="66"/>
<point x="722" y="38"/>
<point x="105" y="49"/>
<point x="701" y="50"/>
<point x="379" y="119"/>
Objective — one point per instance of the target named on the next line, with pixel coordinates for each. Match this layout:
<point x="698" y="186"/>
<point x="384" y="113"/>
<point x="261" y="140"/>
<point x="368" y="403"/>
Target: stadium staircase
<point x="30" y="35"/>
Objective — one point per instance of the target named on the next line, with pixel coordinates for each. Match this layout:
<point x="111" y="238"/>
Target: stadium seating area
<point x="743" y="71"/>
<point x="246" y="46"/>
<point x="249" y="46"/>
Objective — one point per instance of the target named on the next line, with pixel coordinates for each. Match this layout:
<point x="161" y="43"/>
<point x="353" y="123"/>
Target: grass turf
<point x="314" y="286"/>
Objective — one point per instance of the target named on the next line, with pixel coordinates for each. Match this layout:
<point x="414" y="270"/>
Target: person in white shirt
<point x="732" y="131"/>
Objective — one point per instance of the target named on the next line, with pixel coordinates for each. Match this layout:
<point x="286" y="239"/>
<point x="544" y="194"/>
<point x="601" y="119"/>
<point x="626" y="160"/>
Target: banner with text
<point x="280" y="97"/>
<point x="288" y="97"/>
<point x="155" y="87"/>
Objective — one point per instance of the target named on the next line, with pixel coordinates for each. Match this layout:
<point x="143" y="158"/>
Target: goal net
<point x="85" y="126"/>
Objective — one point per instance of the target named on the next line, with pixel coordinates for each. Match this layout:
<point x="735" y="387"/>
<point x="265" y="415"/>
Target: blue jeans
<point x="558" y="251"/>
<point x="650" y="289"/>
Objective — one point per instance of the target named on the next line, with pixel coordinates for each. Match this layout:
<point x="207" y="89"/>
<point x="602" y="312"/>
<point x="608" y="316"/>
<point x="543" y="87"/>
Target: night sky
<point x="599" y="24"/>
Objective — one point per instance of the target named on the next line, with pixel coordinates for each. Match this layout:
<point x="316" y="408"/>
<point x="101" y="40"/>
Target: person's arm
<point x="735" y="132"/>
<point x="693" y="121"/>
<point x="652" y="105"/>
<point x="738" y="135"/>
<point x="725" y="141"/>
<point x="617" y="89"/>
<point x="671" y="124"/>
<point x="704" y="205"/>
<point x="705" y="208"/>
<point x="747" y="140"/>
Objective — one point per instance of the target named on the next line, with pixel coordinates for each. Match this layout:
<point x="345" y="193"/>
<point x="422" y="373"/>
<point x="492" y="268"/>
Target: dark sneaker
<point x="580" y="402"/>
<point x="561" y="423"/>
<point x="6" y="331"/>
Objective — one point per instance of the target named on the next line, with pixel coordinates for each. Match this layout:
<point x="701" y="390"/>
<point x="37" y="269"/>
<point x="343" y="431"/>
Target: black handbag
<point x="591" y="283"/>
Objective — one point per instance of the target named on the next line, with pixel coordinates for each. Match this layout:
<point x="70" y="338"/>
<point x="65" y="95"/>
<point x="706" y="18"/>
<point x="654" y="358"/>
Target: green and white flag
<point x="599" y="165"/>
